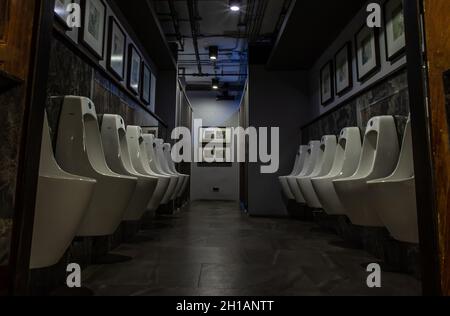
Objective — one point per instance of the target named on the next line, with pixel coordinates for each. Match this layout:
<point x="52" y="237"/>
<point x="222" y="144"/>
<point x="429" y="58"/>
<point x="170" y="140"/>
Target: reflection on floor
<point x="211" y="248"/>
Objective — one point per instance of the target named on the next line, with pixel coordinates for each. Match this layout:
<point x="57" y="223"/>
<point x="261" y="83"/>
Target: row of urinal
<point x="371" y="183"/>
<point x="112" y="173"/>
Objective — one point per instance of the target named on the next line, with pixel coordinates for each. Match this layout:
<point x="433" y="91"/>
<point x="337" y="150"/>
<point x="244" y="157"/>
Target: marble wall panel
<point x="387" y="98"/>
<point x="11" y="121"/>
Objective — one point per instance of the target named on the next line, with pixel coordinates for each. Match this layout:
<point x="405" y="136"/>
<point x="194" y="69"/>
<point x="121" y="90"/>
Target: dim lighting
<point x="235" y="5"/>
<point x="213" y="52"/>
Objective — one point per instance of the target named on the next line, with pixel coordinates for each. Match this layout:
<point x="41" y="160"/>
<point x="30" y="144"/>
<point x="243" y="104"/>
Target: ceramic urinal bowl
<point x="310" y="160"/>
<point x="394" y="197"/>
<point x="168" y="170"/>
<point x="167" y="148"/>
<point x="378" y="159"/>
<point x="61" y="202"/>
<point x="162" y="163"/>
<point x="80" y="151"/>
<point x="153" y="164"/>
<point x="139" y="160"/>
<point x="346" y="161"/>
<point x="115" y="143"/>
<point x="322" y="167"/>
<point x="298" y="167"/>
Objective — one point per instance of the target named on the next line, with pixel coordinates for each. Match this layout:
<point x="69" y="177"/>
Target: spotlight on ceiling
<point x="213" y="52"/>
<point x="235" y="5"/>
<point x="215" y="84"/>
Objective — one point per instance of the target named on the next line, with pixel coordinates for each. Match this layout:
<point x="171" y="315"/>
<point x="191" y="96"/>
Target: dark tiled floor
<point x="213" y="249"/>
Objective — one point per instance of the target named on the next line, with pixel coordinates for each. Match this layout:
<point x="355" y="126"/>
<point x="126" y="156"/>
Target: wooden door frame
<point x="30" y="147"/>
<point x="428" y="212"/>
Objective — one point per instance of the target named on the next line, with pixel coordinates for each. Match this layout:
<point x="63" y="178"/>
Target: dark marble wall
<point x="71" y="75"/>
<point x="390" y="97"/>
<point x="11" y="121"/>
<point x="387" y="98"/>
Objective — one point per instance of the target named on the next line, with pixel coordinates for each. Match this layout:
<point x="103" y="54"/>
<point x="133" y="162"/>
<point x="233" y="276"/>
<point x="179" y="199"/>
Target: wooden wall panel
<point x="4" y="14"/>
<point x="437" y="28"/>
<point x="16" y="26"/>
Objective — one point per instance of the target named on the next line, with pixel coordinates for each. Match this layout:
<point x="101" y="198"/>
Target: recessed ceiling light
<point x="213" y="52"/>
<point x="215" y="84"/>
<point x="235" y="5"/>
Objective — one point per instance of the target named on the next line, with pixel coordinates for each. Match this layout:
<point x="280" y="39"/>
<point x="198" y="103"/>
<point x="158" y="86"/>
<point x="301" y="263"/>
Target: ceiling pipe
<point x="194" y="29"/>
<point x="213" y="75"/>
<point x="176" y="24"/>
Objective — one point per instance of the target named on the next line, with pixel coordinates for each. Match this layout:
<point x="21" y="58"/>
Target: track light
<point x="215" y="84"/>
<point x="213" y="52"/>
<point x="235" y="5"/>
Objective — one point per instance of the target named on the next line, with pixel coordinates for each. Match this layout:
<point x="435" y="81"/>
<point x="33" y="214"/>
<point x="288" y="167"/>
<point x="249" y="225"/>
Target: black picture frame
<point x="146" y="69"/>
<point x="133" y="52"/>
<point x="399" y="54"/>
<point x="377" y="67"/>
<point x="109" y="63"/>
<point x="62" y="20"/>
<point x="348" y="48"/>
<point x="323" y="99"/>
<point x="82" y="33"/>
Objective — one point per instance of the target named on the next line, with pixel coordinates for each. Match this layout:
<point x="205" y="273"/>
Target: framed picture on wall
<point x="367" y="52"/>
<point x="394" y="29"/>
<point x="94" y="25"/>
<point x="146" y="83"/>
<point x="343" y="69"/>
<point x="61" y="12"/>
<point x="151" y="130"/>
<point x="326" y="83"/>
<point x="134" y="70"/>
<point x="207" y="135"/>
<point x="117" y="43"/>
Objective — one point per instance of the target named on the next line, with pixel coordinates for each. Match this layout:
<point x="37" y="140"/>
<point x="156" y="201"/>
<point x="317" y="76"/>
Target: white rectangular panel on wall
<point x="153" y="96"/>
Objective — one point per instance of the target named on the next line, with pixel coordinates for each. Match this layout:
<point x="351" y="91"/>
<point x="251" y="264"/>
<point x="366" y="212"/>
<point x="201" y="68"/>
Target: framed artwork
<point x="61" y="11"/>
<point x="216" y="144"/>
<point x="134" y="70"/>
<point x="343" y="69"/>
<point x="151" y="130"/>
<point x="219" y="135"/>
<point x="216" y="153"/>
<point x="222" y="154"/>
<point x="326" y="84"/>
<point x="209" y="154"/>
<point x="207" y="135"/>
<point x="146" y="83"/>
<point x="367" y="52"/>
<point x="117" y="42"/>
<point x="394" y="29"/>
<point x="94" y="25"/>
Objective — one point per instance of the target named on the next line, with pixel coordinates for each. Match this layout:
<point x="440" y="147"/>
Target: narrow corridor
<point x="212" y="249"/>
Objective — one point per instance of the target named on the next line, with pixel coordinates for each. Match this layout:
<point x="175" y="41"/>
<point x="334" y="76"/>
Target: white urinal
<point x="298" y="167"/>
<point x="154" y="162"/>
<point x="322" y="167"/>
<point x="346" y="161"/>
<point x="140" y="163"/>
<point x="161" y="159"/>
<point x="394" y="197"/>
<point x="310" y="161"/>
<point x="80" y="151"/>
<point x="165" y="164"/>
<point x="115" y="143"/>
<point x="167" y="148"/>
<point x="61" y="202"/>
<point x="378" y="159"/>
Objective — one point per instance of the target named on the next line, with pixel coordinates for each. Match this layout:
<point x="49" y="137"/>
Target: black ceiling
<point x="310" y="28"/>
